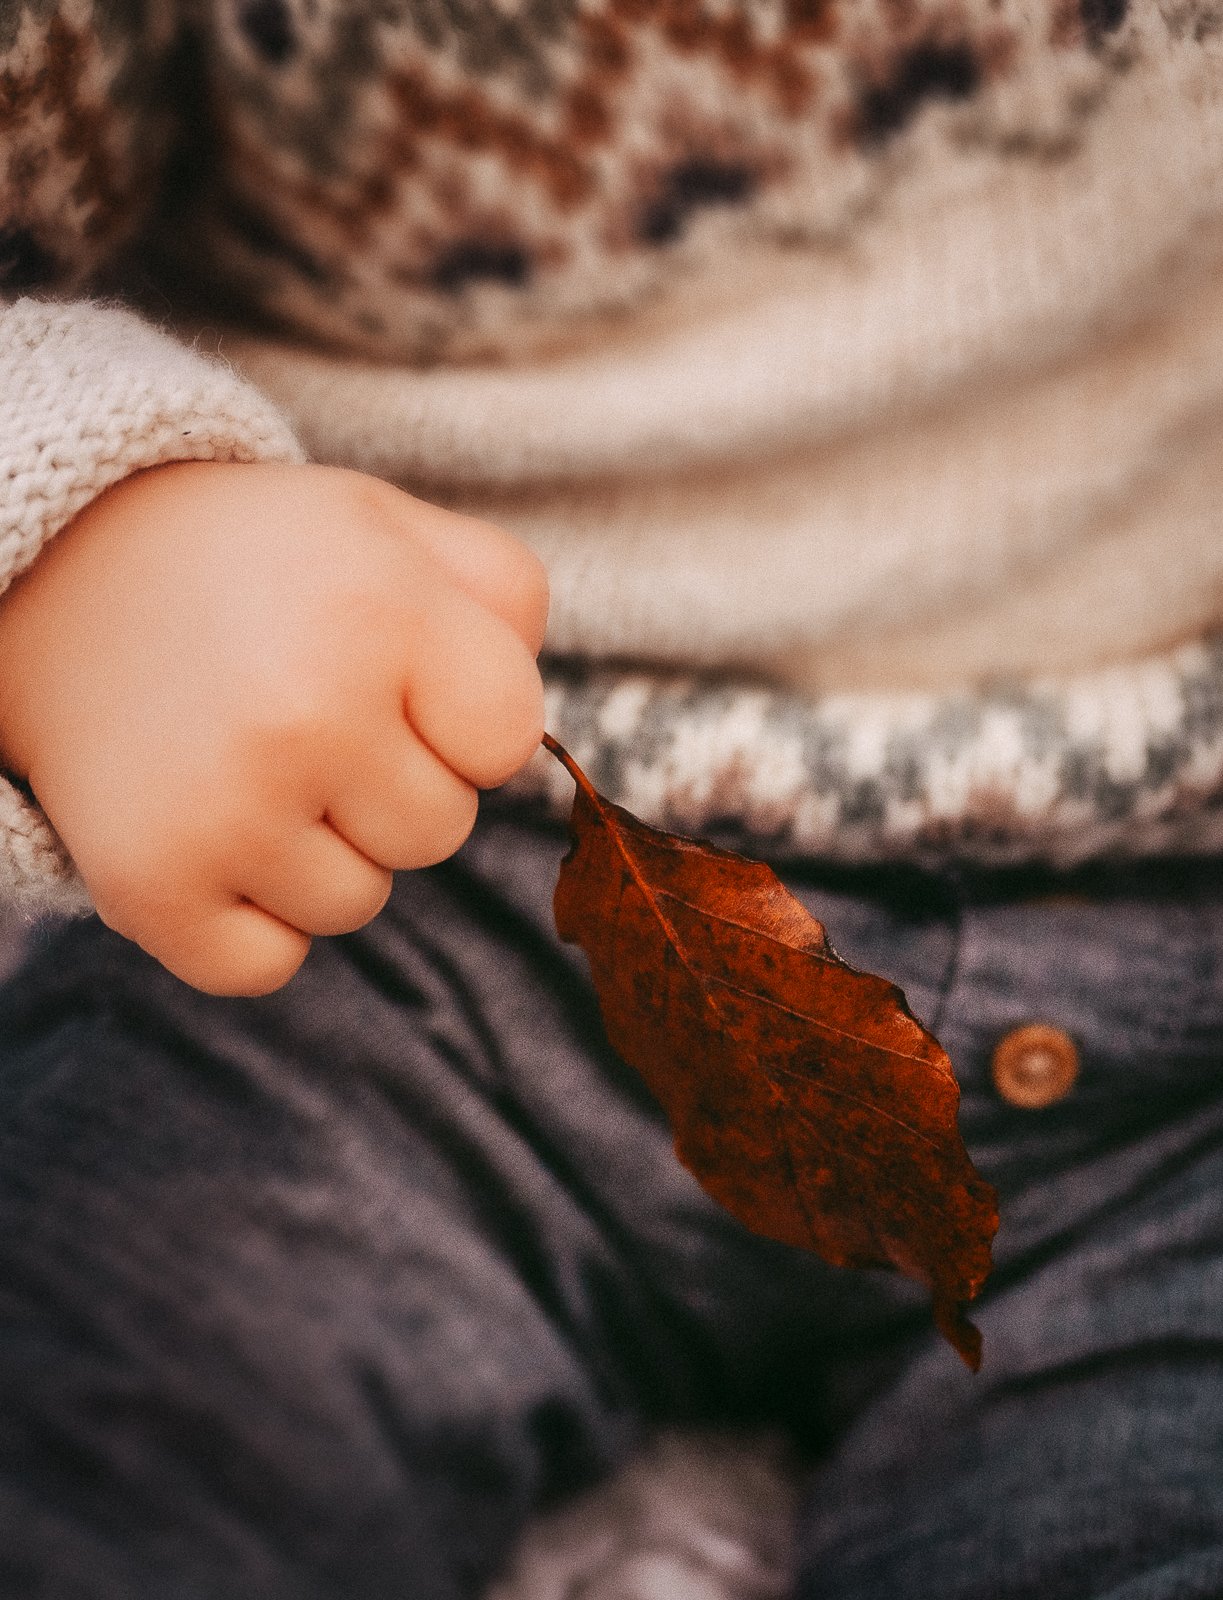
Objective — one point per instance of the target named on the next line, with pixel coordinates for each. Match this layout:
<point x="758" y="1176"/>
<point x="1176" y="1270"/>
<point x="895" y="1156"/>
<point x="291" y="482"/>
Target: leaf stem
<point x="572" y="768"/>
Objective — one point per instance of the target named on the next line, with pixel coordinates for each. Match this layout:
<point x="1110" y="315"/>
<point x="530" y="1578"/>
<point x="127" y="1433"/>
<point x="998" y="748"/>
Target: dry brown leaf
<point x="803" y="1095"/>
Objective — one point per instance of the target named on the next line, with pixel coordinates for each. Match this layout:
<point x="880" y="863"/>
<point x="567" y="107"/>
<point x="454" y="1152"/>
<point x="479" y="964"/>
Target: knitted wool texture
<point x="1127" y="761"/>
<point x="848" y="345"/>
<point x="423" y="183"/>
<point x="90" y="395"/>
<point x="981" y="435"/>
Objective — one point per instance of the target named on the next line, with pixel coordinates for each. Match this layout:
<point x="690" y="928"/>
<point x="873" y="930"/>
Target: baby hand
<point x="245" y="694"/>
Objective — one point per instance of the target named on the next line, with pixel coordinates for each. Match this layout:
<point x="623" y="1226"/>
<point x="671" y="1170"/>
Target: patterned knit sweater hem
<point x="1120" y="764"/>
<point x="1125" y="762"/>
<point x="973" y="430"/>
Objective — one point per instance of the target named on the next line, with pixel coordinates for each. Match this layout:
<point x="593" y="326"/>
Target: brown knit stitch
<point x="85" y="132"/>
<point x="77" y="163"/>
<point x="433" y="179"/>
<point x="568" y="159"/>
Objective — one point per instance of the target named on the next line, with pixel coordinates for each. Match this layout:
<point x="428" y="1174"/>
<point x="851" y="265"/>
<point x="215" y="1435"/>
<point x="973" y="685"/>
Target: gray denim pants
<point x="320" y="1295"/>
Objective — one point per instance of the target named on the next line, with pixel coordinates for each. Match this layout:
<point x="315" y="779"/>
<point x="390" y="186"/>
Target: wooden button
<point x="1035" y="1066"/>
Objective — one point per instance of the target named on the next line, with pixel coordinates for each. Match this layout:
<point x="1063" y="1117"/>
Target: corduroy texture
<point x="88" y="395"/>
<point x="330" y="1288"/>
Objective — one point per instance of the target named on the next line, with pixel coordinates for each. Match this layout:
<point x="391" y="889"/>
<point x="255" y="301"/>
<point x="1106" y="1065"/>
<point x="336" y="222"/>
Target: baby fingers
<point x="472" y="690"/>
<point x="400" y="806"/>
<point x="316" y="881"/>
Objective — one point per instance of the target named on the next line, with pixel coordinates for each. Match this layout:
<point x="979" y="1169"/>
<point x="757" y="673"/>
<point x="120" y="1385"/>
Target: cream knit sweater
<point x="876" y="467"/>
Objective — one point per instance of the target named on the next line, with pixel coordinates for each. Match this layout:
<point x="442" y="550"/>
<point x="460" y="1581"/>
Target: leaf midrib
<point x="702" y="981"/>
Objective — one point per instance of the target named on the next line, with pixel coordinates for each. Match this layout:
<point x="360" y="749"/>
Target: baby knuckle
<point x="520" y="580"/>
<point x="516" y="726"/>
<point x="527" y="583"/>
<point x="536" y="605"/>
<point x="346" y="909"/>
<point x="363" y="492"/>
<point x="130" y="882"/>
<point x="251" y="969"/>
<point x="283" y="735"/>
<point x="450" y="829"/>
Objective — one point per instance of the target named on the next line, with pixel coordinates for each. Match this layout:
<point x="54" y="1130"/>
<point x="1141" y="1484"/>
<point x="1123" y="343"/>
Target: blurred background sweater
<point x="856" y="366"/>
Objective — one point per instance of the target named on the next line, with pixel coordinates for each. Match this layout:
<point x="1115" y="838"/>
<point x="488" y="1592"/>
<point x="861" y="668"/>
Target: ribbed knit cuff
<point x="88" y="395"/>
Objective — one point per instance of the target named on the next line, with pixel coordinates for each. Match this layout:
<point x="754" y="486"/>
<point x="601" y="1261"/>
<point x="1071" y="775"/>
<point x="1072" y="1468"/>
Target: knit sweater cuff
<point x="88" y="395"/>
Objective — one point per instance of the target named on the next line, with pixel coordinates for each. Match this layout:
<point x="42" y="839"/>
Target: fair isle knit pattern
<point x="1116" y="765"/>
<point x="959" y="194"/>
<point x="978" y="438"/>
<point x="1120" y="763"/>
<point x="429" y="181"/>
<point x="84" y="129"/>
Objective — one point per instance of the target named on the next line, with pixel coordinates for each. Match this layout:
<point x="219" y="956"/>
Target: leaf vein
<point x="806" y="1016"/>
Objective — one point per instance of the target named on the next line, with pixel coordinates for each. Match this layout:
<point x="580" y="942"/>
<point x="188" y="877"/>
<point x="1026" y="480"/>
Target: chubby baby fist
<point x="245" y="695"/>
